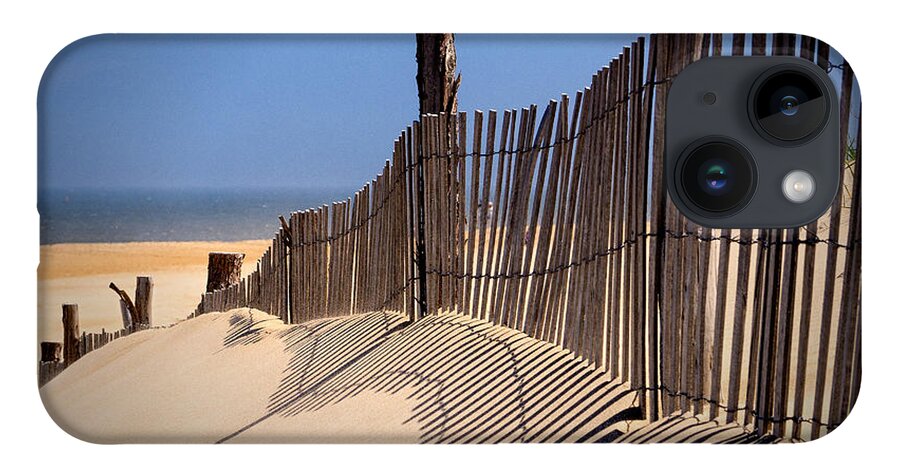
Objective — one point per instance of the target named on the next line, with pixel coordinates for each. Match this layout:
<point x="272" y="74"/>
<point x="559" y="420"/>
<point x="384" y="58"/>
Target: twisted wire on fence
<point x="744" y="408"/>
<point x="762" y="242"/>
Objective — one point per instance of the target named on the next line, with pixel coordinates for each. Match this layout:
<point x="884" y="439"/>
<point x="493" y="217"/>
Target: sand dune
<point x="244" y="376"/>
<point x="80" y="273"/>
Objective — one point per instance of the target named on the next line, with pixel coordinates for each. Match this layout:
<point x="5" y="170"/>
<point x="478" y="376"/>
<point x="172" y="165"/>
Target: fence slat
<point x="507" y="218"/>
<point x="557" y="288"/>
<point x="549" y="223"/>
<point x="487" y="288"/>
<point x="535" y="229"/>
<point x="474" y="209"/>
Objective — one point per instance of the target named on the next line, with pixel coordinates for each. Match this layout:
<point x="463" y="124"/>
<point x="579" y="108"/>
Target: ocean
<point x="100" y="216"/>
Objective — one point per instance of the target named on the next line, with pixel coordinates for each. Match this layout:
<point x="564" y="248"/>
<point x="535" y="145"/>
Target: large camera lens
<point x="717" y="176"/>
<point x="790" y="105"/>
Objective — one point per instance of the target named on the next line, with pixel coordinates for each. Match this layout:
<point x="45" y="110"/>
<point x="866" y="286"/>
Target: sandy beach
<point x="243" y="376"/>
<point x="81" y="272"/>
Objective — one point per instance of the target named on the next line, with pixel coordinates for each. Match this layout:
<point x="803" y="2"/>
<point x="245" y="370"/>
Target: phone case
<point x="515" y="275"/>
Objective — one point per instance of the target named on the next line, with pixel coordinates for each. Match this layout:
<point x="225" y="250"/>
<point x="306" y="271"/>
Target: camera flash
<point x="798" y="186"/>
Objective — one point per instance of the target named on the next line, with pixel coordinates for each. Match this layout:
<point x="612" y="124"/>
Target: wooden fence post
<point x="224" y="270"/>
<point x="420" y="258"/>
<point x="71" y="333"/>
<point x="143" y="294"/>
<point x="127" y="318"/>
<point x="51" y="351"/>
<point x="50" y="364"/>
<point x="126" y="305"/>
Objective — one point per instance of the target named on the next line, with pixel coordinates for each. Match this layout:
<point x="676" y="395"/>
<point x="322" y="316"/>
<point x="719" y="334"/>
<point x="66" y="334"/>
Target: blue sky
<point x="270" y="111"/>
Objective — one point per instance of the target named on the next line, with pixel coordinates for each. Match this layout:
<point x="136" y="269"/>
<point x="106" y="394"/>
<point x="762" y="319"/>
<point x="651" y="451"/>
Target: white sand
<point x="242" y="376"/>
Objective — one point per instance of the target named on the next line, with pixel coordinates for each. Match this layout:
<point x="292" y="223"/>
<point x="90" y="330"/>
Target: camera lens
<point x="713" y="176"/>
<point x="790" y="105"/>
<point x="717" y="176"/>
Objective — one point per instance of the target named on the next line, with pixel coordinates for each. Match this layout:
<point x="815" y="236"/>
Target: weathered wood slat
<point x="562" y="242"/>
<point x="521" y="222"/>
<point x="767" y="338"/>
<point x="536" y="230"/>
<point x="539" y="295"/>
<point x="757" y="321"/>
<point x="472" y="262"/>
<point x="581" y="326"/>
<point x="510" y="220"/>
<point x="614" y="242"/>
<point x="589" y="306"/>
<point x="659" y="59"/>
<point x="701" y="320"/>
<point x="487" y="287"/>
<point x="721" y="299"/>
<point x="783" y="333"/>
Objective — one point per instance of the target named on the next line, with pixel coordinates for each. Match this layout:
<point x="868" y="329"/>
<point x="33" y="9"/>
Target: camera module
<point x="764" y="154"/>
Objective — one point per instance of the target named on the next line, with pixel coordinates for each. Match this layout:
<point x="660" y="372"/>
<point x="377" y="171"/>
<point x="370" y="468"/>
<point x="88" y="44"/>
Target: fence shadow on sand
<point x="470" y="381"/>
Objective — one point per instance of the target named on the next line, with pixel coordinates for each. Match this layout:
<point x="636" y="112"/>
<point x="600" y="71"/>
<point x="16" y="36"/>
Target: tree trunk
<point x="436" y="75"/>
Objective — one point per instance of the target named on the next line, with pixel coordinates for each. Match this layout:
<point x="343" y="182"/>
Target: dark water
<point x="90" y="216"/>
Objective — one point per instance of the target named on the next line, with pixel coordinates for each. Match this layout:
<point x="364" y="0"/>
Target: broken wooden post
<point x="71" y="333"/>
<point x="143" y="294"/>
<point x="50" y="363"/>
<point x="127" y="319"/>
<point x="436" y="74"/>
<point x="129" y="314"/>
<point x="51" y="351"/>
<point x="224" y="270"/>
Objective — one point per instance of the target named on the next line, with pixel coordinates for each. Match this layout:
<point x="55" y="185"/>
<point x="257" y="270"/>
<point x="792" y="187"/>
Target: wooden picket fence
<point x="85" y="344"/>
<point x="347" y="258"/>
<point x="136" y="316"/>
<point x="558" y="225"/>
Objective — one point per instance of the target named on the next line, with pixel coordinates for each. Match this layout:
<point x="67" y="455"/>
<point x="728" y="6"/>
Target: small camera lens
<point x="717" y="176"/>
<point x="789" y="105"/>
<point x="714" y="176"/>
